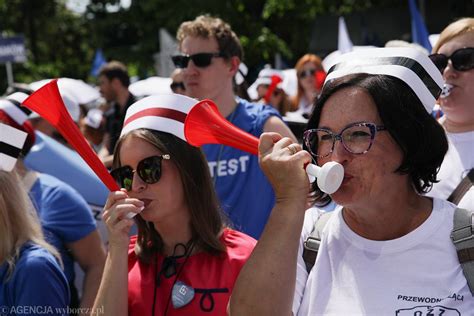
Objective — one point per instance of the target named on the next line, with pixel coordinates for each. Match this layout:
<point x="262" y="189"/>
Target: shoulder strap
<point x="463" y="239"/>
<point x="462" y="188"/>
<point x="311" y="244"/>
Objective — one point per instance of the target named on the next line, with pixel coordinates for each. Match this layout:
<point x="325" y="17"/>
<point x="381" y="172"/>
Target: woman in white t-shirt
<point x="453" y="54"/>
<point x="386" y="250"/>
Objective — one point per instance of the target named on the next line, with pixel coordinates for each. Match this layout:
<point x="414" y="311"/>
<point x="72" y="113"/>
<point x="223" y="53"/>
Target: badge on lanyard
<point x="182" y="294"/>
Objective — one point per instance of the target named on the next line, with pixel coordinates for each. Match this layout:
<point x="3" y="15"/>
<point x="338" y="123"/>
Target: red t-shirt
<point x="212" y="278"/>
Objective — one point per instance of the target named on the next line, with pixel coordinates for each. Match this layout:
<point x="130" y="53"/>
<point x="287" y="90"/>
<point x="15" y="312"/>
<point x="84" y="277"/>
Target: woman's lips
<point x="346" y="179"/>
<point x="146" y="202"/>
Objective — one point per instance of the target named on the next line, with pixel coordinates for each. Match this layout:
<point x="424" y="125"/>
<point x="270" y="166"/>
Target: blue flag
<point x="419" y="33"/>
<point x="99" y="60"/>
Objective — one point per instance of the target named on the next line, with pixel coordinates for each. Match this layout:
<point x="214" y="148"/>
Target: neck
<point x="309" y="95"/>
<point x="173" y="234"/>
<point x="226" y="103"/>
<point x="122" y="97"/>
<point x="21" y="168"/>
<point x="391" y="218"/>
<point x="457" y="127"/>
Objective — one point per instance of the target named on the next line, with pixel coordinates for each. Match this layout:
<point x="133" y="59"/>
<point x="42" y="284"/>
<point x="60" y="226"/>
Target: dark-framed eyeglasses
<point x="177" y="85"/>
<point x="201" y="60"/>
<point x="148" y="169"/>
<point x="357" y="138"/>
<point x="306" y="73"/>
<point x="462" y="59"/>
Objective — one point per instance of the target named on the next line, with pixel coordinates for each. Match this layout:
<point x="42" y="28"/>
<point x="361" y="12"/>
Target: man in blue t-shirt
<point x="210" y="57"/>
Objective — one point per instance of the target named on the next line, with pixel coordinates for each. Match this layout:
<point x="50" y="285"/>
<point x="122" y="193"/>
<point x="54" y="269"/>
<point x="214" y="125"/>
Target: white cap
<point x="264" y="77"/>
<point x="94" y="118"/>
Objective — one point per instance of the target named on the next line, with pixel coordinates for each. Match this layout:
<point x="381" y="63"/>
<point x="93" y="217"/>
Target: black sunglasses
<point x="148" y="169"/>
<point x="177" y="85"/>
<point x="200" y="59"/>
<point x="307" y="72"/>
<point x="462" y="59"/>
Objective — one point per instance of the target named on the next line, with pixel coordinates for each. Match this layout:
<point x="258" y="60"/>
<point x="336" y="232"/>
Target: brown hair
<point x="115" y="69"/>
<point x="207" y="27"/>
<point x="453" y="30"/>
<point x="18" y="221"/>
<point x="308" y="58"/>
<point x="206" y="217"/>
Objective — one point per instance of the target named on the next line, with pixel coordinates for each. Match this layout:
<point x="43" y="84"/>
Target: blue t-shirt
<point x="64" y="215"/>
<point x="37" y="285"/>
<point x="245" y="194"/>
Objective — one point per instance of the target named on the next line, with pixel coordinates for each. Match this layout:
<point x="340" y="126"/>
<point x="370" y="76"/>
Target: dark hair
<point x="206" y="217"/>
<point x="206" y="26"/>
<point x="420" y="137"/>
<point x="115" y="69"/>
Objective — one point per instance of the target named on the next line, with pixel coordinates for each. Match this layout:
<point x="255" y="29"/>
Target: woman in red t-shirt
<point x="184" y="260"/>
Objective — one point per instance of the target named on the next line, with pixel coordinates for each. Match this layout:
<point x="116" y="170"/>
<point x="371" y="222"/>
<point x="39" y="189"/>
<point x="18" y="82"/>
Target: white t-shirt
<point x="456" y="164"/>
<point x="417" y="274"/>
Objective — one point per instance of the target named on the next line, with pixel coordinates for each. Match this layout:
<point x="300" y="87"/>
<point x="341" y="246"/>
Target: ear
<point x="234" y="65"/>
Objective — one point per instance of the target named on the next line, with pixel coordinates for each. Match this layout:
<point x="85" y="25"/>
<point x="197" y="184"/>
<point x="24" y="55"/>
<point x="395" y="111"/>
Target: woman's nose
<point x="138" y="184"/>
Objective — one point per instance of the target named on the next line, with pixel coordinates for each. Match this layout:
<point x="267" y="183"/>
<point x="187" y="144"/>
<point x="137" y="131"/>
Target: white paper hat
<point x="407" y="64"/>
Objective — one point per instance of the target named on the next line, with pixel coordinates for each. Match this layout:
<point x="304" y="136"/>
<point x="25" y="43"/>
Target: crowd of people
<point x="215" y="230"/>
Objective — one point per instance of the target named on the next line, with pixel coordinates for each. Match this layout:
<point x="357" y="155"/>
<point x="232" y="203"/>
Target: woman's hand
<point x="283" y="163"/>
<point x="116" y="208"/>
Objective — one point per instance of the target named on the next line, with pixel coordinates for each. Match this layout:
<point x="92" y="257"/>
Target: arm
<point x="266" y="284"/>
<point x="275" y="124"/>
<point x="112" y="296"/>
<point x="90" y="255"/>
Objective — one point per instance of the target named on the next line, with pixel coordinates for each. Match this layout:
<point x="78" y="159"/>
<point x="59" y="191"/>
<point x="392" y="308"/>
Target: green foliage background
<point x="61" y="43"/>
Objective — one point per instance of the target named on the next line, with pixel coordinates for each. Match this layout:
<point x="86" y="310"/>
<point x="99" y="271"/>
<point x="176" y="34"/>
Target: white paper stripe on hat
<point x="18" y="97"/>
<point x="165" y="113"/>
<point x="169" y="101"/>
<point x="156" y="123"/>
<point x="11" y="106"/>
<point x="11" y="143"/>
<point x="407" y="64"/>
<point x="13" y="111"/>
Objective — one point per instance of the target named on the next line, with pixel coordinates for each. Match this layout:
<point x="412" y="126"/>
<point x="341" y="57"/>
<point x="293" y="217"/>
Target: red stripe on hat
<point x="161" y="112"/>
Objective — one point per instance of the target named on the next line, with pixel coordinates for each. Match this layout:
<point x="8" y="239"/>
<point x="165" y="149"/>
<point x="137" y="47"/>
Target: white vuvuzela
<point x="446" y="91"/>
<point x="329" y="176"/>
<point x="131" y="215"/>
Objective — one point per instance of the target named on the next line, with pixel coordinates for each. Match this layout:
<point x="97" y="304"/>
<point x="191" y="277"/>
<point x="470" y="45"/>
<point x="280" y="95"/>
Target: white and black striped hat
<point x="407" y="64"/>
<point x="165" y="113"/>
<point x="11" y="144"/>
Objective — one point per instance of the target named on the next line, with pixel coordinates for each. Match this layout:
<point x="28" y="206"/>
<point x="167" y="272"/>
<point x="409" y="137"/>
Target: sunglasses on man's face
<point x="200" y="59"/>
<point x="462" y="59"/>
<point x="177" y="85"/>
<point x="306" y="73"/>
<point x="148" y="169"/>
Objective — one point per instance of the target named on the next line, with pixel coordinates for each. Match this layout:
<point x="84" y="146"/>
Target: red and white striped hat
<point x="165" y="113"/>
